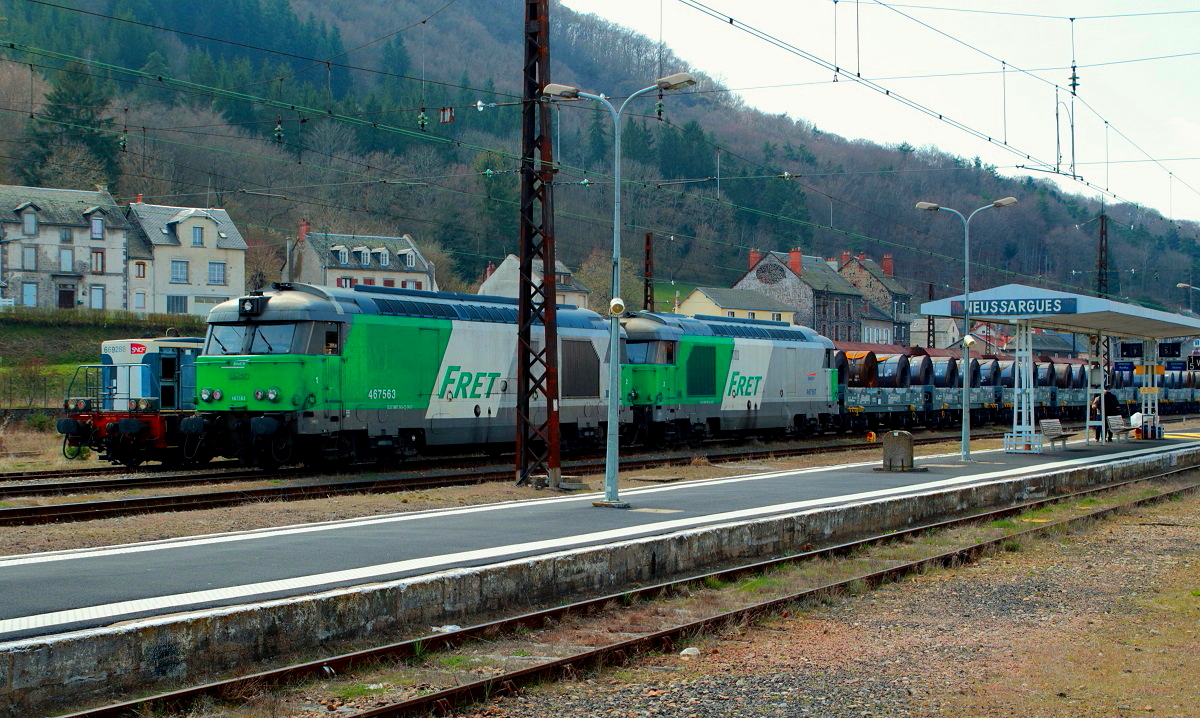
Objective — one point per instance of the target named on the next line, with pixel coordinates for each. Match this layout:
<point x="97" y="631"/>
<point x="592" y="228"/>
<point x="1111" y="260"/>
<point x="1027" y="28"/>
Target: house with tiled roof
<point x="183" y="260"/>
<point x="504" y="281"/>
<point x="735" y="303"/>
<point x="878" y="284"/>
<point x="821" y="298"/>
<point x="344" y="260"/>
<point x="62" y="248"/>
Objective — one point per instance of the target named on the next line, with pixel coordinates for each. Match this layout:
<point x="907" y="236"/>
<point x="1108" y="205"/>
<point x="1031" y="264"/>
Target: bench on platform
<point x="1052" y="430"/>
<point x="1118" y="426"/>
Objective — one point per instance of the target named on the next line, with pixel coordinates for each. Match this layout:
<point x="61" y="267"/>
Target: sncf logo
<point x="137" y="348"/>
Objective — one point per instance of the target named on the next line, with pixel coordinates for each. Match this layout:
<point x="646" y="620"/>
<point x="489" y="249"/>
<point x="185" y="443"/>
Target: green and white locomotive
<point x="690" y="378"/>
<point x="305" y="373"/>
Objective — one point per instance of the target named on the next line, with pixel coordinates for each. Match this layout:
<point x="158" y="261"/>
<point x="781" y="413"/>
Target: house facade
<point x="183" y="260"/>
<point x="344" y="260"/>
<point x="62" y="248"/>
<point x="735" y="304"/>
<point x="823" y="300"/>
<point x="505" y="281"/>
<point x="878" y="284"/>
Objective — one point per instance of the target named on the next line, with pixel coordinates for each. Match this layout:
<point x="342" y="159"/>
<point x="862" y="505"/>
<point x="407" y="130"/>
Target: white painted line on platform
<point x="376" y="572"/>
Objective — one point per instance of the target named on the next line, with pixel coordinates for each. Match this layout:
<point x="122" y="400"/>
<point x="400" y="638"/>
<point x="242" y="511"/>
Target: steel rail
<point x="444" y="702"/>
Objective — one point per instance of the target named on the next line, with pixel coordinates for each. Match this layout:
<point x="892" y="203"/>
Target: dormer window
<point x="362" y="255"/>
<point x="340" y="253"/>
<point x="409" y="259"/>
<point x="97" y="227"/>
<point x="197" y="236"/>
<point x="29" y="223"/>
<point x="385" y="257"/>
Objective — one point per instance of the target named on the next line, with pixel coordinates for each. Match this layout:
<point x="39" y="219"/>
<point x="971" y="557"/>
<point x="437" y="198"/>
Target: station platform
<point x="171" y="609"/>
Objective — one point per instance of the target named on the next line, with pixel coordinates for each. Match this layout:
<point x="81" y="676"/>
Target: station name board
<point x="1005" y="307"/>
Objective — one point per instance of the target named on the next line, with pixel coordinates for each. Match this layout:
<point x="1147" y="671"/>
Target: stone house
<point x="878" y="284"/>
<point x="344" y="260"/>
<point x="823" y="300"/>
<point x="62" y="248"/>
<point x="183" y="260"/>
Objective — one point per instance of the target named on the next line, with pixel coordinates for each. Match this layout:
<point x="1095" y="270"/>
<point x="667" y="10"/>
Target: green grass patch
<point x="759" y="583"/>
<point x="521" y="653"/>
<point x="1088" y="503"/>
<point x="1196" y="592"/>
<point x="714" y="583"/>
<point x="1003" y="524"/>
<point x="358" y="690"/>
<point x="454" y="662"/>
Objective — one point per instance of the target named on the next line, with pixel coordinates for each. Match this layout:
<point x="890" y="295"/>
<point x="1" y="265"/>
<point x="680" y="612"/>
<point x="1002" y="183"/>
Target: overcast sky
<point x="951" y="62"/>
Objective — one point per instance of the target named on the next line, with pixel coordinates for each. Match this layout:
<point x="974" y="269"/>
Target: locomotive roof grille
<point x="440" y="310"/>
<point x="752" y="332"/>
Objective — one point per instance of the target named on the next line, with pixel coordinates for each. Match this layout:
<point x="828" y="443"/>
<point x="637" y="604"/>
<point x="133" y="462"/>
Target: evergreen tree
<point x="150" y="88"/>
<point x="637" y="142"/>
<point x="75" y="115"/>
<point x="599" y="143"/>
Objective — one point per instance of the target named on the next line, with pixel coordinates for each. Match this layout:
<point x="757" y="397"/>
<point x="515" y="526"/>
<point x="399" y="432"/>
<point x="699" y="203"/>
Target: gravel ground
<point x="1102" y="622"/>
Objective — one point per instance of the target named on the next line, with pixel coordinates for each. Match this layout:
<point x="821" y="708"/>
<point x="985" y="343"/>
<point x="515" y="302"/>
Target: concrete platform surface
<point x="55" y="593"/>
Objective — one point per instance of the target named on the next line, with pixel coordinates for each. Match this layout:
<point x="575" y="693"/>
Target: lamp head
<point x="1183" y="285"/>
<point x="565" y="91"/>
<point x="1004" y="201"/>
<point x="928" y="206"/>
<point x="969" y="341"/>
<point x="678" y="81"/>
<point x="616" y="307"/>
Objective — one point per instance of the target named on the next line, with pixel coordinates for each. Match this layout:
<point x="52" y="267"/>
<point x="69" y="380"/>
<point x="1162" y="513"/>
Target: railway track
<point x="209" y="471"/>
<point x="303" y="488"/>
<point x="448" y="700"/>
<point x="422" y="475"/>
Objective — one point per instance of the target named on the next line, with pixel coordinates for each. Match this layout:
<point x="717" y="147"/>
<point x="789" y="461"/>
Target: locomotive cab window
<point x="656" y="351"/>
<point x="225" y="339"/>
<point x="272" y="338"/>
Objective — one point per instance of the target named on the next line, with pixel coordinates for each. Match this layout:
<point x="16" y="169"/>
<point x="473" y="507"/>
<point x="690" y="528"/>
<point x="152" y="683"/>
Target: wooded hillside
<point x="282" y="110"/>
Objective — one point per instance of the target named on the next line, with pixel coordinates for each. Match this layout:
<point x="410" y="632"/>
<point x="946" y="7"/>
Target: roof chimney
<point x="888" y="267"/>
<point x="796" y="261"/>
<point x="139" y="199"/>
<point x="755" y="257"/>
<point x="845" y="256"/>
<point x="487" y="273"/>
<point x="303" y="236"/>
<point x="862" y="256"/>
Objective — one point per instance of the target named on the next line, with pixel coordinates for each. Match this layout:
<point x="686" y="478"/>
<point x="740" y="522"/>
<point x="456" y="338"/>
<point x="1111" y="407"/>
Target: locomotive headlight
<point x="217" y="394"/>
<point x="143" y="404"/>
<point x="71" y="405"/>
<point x="206" y="394"/>
<point x="273" y="394"/>
<point x="259" y="394"/>
<point x="133" y="405"/>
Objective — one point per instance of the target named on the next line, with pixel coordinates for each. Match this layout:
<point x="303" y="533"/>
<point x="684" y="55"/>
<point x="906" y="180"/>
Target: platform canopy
<point x="1061" y="311"/>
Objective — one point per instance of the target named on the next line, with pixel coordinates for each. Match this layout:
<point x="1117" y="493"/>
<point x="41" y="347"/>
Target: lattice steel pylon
<point x="537" y="366"/>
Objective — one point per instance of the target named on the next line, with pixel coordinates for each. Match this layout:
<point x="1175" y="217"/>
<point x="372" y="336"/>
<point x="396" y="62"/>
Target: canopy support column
<point x="1149" y="391"/>
<point x="1024" y="437"/>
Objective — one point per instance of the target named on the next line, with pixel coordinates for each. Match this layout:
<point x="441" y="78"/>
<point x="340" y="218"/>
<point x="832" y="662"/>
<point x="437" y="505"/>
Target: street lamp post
<point x="967" y="339"/>
<point x="616" y="307"/>
<point x="1185" y="285"/>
